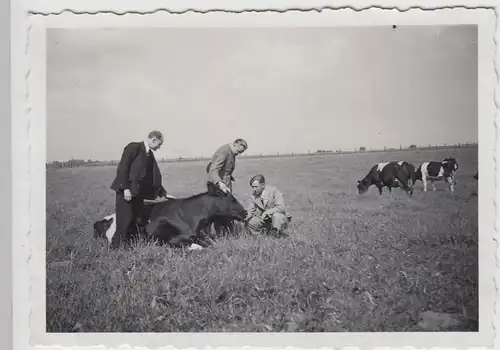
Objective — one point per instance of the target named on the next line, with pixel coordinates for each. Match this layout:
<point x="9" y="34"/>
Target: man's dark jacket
<point x="132" y="171"/>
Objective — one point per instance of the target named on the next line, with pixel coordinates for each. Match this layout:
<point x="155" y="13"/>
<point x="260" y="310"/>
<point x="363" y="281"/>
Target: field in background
<point x="351" y="263"/>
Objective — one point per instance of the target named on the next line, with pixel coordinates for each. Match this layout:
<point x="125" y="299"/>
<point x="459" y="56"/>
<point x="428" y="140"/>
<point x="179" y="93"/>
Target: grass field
<point x="351" y="263"/>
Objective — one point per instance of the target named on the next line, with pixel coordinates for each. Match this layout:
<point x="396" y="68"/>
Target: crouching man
<point x="267" y="212"/>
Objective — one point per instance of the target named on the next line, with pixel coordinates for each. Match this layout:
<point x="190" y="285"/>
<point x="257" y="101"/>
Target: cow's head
<point x="450" y="164"/>
<point x="363" y="185"/>
<point x="225" y="205"/>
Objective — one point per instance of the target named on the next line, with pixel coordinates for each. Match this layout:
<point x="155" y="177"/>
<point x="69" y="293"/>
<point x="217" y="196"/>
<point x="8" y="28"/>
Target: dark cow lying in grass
<point x="476" y="176"/>
<point x="438" y="171"/>
<point x="391" y="175"/>
<point x="179" y="222"/>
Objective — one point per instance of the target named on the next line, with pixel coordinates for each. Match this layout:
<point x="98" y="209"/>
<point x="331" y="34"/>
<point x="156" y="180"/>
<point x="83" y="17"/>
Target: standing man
<point x="220" y="172"/>
<point x="137" y="178"/>
<point x="267" y="211"/>
<point x="220" y="169"/>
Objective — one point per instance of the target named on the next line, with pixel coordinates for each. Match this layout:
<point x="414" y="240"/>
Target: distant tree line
<point x="73" y="163"/>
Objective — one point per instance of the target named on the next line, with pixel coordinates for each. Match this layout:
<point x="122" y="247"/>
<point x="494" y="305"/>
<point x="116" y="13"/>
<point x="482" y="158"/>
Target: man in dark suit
<point x="137" y="178"/>
<point x="220" y="172"/>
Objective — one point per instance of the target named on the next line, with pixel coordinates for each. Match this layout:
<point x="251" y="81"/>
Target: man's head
<point x="258" y="183"/>
<point x="239" y="146"/>
<point x="155" y="139"/>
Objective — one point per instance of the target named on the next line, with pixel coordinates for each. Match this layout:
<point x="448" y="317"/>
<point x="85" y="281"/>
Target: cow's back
<point x="387" y="174"/>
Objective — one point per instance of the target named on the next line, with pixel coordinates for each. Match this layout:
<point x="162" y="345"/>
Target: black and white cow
<point x="106" y="227"/>
<point x="391" y="175"/>
<point x="437" y="171"/>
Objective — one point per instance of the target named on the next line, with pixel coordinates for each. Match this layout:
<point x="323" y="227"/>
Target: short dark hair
<point x="241" y="142"/>
<point x="155" y="134"/>
<point x="260" y="178"/>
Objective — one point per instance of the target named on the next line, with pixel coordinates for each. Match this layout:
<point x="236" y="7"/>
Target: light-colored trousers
<point x="278" y="221"/>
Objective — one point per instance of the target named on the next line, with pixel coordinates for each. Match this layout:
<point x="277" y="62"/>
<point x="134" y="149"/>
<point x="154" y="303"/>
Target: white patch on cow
<point x="112" y="216"/>
<point x="381" y="166"/>
<point x="425" y="173"/>
<point x="195" y="246"/>
<point x="110" y="232"/>
<point x="401" y="162"/>
<point x="424" y="170"/>
<point x="441" y="172"/>
<point x="112" y="229"/>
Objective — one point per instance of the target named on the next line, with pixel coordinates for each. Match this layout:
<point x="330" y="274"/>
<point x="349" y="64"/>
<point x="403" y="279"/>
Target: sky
<point x="282" y="89"/>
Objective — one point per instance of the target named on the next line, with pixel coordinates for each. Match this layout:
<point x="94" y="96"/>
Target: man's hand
<point x="265" y="215"/>
<point x="223" y="187"/>
<point x="127" y="195"/>
<point x="248" y="217"/>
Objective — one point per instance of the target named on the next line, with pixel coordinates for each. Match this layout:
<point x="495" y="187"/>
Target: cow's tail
<point x="404" y="177"/>
<point x="411" y="176"/>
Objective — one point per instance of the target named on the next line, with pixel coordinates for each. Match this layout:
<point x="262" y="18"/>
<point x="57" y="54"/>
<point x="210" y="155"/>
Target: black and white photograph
<point x="264" y="179"/>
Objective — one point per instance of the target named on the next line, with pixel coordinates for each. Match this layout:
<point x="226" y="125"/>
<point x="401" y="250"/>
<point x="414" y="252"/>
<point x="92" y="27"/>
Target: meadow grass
<point x="351" y="263"/>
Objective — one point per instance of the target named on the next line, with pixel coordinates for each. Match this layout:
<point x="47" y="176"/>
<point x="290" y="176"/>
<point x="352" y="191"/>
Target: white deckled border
<point x="28" y="125"/>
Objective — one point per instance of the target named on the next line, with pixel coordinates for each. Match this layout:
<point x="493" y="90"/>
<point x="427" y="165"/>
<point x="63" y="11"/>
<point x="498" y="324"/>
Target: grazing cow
<point x="437" y="171"/>
<point x="476" y="176"/>
<point x="391" y="175"/>
<point x="180" y="222"/>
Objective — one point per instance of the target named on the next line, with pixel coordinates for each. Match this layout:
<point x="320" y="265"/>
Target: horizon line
<point x="286" y="154"/>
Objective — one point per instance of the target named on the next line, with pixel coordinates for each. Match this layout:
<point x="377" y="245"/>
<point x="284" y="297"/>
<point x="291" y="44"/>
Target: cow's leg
<point x="451" y="183"/>
<point x="433" y="183"/>
<point x="424" y="180"/>
<point x="454" y="181"/>
<point x="379" y="186"/>
<point x="410" y="183"/>
<point x="219" y="227"/>
<point x="174" y="231"/>
<point x="202" y="238"/>
<point x="124" y="218"/>
<point x="186" y="234"/>
<point x="403" y="182"/>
